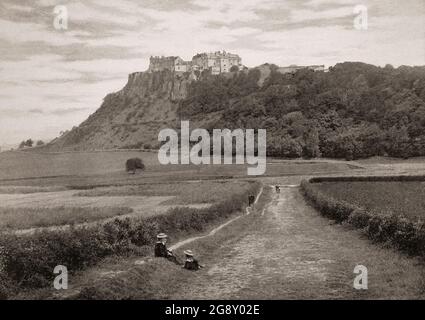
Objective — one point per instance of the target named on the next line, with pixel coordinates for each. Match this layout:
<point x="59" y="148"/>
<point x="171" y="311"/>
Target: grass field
<point x="19" y="168"/>
<point x="30" y="164"/>
<point x="29" y="189"/>
<point x="47" y="209"/>
<point x="185" y="192"/>
<point x="25" y="218"/>
<point x="406" y="198"/>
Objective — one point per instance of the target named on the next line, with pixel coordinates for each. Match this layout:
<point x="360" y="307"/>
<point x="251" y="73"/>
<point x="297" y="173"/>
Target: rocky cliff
<point x="131" y="117"/>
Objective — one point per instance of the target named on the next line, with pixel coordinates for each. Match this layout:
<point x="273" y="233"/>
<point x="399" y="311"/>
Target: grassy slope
<point x="407" y="198"/>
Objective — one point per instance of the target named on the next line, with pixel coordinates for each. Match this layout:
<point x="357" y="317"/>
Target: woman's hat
<point x="189" y="253"/>
<point x="161" y="236"/>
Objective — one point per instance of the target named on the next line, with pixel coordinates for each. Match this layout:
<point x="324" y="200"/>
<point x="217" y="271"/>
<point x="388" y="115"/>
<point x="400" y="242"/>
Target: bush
<point x="359" y="218"/>
<point x="133" y="164"/>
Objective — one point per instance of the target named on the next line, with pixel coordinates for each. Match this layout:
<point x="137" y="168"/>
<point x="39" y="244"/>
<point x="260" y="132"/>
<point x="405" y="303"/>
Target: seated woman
<point x="191" y="263"/>
<point x="161" y="248"/>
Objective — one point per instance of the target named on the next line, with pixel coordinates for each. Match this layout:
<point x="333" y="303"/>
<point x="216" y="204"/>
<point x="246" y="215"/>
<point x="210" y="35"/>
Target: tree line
<point x="30" y="143"/>
<point x="355" y="110"/>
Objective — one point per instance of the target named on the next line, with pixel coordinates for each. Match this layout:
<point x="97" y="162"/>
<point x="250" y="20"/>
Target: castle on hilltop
<point x="218" y="62"/>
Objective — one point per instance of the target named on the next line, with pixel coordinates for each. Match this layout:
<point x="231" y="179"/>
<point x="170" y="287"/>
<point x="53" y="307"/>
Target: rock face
<point x="131" y="117"/>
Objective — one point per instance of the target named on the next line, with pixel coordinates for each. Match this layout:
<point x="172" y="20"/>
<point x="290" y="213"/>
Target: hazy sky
<point x="51" y="80"/>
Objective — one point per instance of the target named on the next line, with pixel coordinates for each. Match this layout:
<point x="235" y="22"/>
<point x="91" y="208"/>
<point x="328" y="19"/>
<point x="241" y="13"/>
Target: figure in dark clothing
<point x="277" y="189"/>
<point x="251" y="200"/>
<point x="162" y="251"/>
<point x="191" y="263"/>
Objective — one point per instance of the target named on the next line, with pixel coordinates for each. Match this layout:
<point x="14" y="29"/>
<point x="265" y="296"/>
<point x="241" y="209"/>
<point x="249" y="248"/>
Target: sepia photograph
<point x="219" y="151"/>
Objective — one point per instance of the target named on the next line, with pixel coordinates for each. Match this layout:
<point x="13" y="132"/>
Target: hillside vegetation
<point x="353" y="111"/>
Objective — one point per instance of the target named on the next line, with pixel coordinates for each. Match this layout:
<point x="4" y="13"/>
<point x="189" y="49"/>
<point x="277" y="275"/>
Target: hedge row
<point x="405" y="234"/>
<point x="28" y="261"/>
<point x="368" y="179"/>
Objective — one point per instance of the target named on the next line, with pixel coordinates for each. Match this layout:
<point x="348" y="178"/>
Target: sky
<point x="52" y="78"/>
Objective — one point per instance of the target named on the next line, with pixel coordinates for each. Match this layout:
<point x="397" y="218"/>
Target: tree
<point x="40" y="143"/>
<point x="29" y="143"/>
<point x="26" y="144"/>
<point x="311" y="146"/>
<point x="133" y="164"/>
<point x="234" y="69"/>
<point x="291" y="148"/>
<point x="398" y="142"/>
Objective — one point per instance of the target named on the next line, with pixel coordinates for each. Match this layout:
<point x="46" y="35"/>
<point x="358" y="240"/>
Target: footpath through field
<point x="291" y="252"/>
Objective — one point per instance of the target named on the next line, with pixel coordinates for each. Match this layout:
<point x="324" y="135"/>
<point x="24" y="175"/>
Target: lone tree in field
<point x="133" y="164"/>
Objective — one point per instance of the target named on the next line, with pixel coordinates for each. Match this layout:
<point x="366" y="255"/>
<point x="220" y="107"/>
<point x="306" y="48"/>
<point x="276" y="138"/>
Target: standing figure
<point x="161" y="249"/>
<point x="277" y="189"/>
<point x="251" y="200"/>
<point x="191" y="263"/>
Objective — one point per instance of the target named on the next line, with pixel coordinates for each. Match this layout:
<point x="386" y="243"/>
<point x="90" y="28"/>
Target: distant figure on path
<point x="251" y="200"/>
<point x="277" y="189"/>
<point x="161" y="248"/>
<point x="191" y="263"/>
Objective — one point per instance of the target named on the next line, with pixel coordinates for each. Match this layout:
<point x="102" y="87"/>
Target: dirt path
<point x="215" y="230"/>
<point x="291" y="252"/>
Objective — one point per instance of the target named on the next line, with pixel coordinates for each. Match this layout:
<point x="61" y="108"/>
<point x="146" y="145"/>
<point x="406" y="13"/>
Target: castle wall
<point x="218" y="62"/>
<point x="162" y="63"/>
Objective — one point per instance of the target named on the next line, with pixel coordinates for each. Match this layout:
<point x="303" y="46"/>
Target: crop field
<point x="405" y="198"/>
<point x="26" y="218"/>
<point x="184" y="193"/>
<point x="38" y="207"/>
